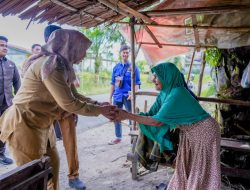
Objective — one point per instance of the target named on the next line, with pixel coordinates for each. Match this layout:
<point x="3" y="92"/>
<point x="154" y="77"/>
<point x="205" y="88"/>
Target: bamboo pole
<point x="196" y="32"/>
<point x="201" y="75"/>
<point x="114" y="7"/>
<point x="139" y="7"/>
<point x="247" y="28"/>
<point x="191" y="65"/>
<point x="125" y="9"/>
<point x="198" y="10"/>
<point x="153" y="36"/>
<point x="225" y="101"/>
<point x="71" y="8"/>
<point x="132" y="39"/>
<point x="178" y="45"/>
<point x="204" y="99"/>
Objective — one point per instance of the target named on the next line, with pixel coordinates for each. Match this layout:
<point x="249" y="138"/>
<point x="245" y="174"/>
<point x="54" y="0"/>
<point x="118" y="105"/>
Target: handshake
<point x="113" y="113"/>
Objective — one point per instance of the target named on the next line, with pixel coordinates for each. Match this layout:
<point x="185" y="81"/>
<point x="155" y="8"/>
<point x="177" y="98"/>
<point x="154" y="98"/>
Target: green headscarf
<point x="174" y="106"/>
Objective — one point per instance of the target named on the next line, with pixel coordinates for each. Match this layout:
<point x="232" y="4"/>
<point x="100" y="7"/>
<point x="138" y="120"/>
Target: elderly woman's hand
<point x="120" y="114"/>
<point x="108" y="111"/>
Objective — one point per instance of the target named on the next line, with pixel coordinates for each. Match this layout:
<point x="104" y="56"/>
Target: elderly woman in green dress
<point x="198" y="160"/>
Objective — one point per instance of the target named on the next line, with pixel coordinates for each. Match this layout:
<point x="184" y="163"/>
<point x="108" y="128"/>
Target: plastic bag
<point x="222" y="81"/>
<point x="245" y="80"/>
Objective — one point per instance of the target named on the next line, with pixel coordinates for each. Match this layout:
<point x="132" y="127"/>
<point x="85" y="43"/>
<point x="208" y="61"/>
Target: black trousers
<point x="2" y="110"/>
<point x="57" y="129"/>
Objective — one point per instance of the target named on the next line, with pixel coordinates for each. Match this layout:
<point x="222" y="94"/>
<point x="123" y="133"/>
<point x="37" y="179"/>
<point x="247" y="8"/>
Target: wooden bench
<point x="31" y="176"/>
<point x="235" y="144"/>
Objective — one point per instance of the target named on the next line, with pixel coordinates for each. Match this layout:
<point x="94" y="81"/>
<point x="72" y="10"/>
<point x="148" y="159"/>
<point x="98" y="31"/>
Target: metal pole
<point x="132" y="39"/>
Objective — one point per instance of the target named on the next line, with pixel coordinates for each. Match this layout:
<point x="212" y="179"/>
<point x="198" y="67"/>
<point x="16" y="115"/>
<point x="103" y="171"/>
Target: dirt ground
<point x="103" y="166"/>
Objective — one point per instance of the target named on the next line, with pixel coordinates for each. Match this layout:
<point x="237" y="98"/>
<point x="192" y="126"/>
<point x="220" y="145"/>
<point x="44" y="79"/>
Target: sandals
<point x="115" y="141"/>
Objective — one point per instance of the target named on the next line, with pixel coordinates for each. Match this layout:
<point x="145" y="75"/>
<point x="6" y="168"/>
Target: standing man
<point x="9" y="77"/>
<point x="121" y="86"/>
<point x="36" y="49"/>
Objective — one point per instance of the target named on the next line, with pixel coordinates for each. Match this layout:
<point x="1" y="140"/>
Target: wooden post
<point x="201" y="75"/>
<point x="145" y="106"/>
<point x="132" y="34"/>
<point x="191" y="65"/>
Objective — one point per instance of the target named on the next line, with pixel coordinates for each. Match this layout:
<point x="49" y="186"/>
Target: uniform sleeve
<point x="82" y="97"/>
<point x="16" y="80"/>
<point x="63" y="95"/>
<point x="137" y="76"/>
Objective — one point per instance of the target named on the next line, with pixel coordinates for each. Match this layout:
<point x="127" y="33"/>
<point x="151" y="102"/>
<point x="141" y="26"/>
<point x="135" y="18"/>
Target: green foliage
<point x="213" y="56"/>
<point x="90" y="85"/>
<point x="103" y="39"/>
<point x="206" y="79"/>
<point x="141" y="64"/>
<point x="177" y="61"/>
<point x="210" y="91"/>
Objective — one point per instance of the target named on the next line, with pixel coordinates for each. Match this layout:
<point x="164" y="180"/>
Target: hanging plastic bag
<point x="222" y="81"/>
<point x="245" y="80"/>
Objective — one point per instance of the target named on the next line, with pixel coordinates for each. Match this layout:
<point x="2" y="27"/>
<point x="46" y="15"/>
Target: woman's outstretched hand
<point x="109" y="112"/>
<point x="104" y="104"/>
<point x="113" y="113"/>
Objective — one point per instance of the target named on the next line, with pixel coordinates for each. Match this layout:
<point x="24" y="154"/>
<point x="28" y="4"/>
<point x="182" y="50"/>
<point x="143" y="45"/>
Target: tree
<point x="103" y="39"/>
<point x="141" y="64"/>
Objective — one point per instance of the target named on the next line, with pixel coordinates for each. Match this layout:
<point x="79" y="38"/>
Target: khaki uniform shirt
<point x="27" y="124"/>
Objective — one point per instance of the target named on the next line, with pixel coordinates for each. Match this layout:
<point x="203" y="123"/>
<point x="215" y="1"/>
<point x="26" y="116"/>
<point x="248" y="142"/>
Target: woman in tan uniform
<point x="45" y="94"/>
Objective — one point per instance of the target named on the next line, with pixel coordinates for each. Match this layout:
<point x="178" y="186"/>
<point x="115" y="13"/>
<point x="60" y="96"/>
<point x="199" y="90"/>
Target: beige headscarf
<point x="67" y="47"/>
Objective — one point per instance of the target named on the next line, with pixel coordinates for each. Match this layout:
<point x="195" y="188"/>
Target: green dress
<point x="174" y="106"/>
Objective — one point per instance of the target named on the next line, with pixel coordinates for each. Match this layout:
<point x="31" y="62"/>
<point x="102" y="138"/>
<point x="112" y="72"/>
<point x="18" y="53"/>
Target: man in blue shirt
<point x="121" y="86"/>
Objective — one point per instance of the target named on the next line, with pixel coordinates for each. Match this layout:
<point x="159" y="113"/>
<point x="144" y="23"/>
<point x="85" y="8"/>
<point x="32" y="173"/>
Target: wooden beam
<point x="197" y="10"/>
<point x="177" y="45"/>
<point x="137" y="50"/>
<point x="191" y="65"/>
<point x="124" y="8"/>
<point x="114" y="7"/>
<point x="196" y="33"/>
<point x="132" y="39"/>
<point x="141" y="6"/>
<point x="201" y="74"/>
<point x="153" y="36"/>
<point x="66" y="6"/>
<point x="247" y="28"/>
<point x="42" y="3"/>
<point x="236" y="172"/>
<point x="204" y="99"/>
<point x="225" y="101"/>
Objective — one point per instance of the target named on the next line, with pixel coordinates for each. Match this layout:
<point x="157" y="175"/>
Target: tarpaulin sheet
<point x="224" y="39"/>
